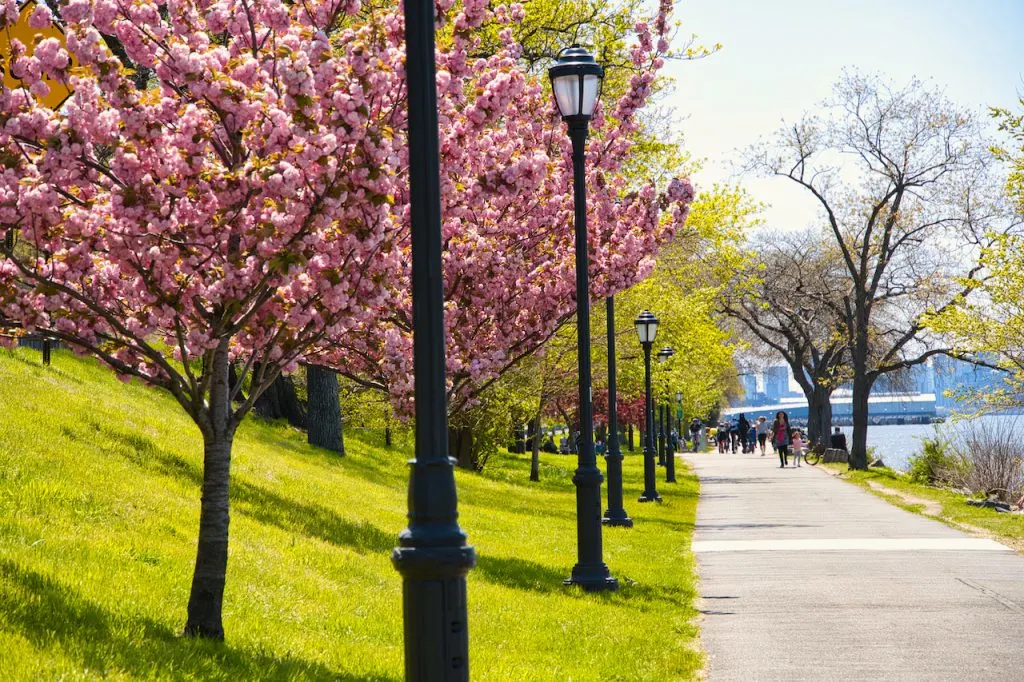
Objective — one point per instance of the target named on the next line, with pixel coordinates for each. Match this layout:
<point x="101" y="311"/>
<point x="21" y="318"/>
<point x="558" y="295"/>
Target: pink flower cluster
<point x="508" y="217"/>
<point x="256" y="191"/>
<point x="247" y="195"/>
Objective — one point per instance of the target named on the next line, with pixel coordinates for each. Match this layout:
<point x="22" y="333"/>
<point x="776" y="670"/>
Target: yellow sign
<point x="30" y="37"/>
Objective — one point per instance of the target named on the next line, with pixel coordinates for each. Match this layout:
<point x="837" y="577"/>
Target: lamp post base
<point x="620" y="520"/>
<point x="649" y="497"/>
<point x="592" y="578"/>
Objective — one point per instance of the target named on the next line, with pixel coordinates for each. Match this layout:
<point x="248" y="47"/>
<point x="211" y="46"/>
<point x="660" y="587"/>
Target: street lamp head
<point x="679" y="396"/>
<point x="576" y="82"/>
<point x="665" y="353"/>
<point x="646" y="327"/>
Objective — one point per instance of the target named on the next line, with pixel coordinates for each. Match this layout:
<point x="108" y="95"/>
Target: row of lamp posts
<point x="433" y="556"/>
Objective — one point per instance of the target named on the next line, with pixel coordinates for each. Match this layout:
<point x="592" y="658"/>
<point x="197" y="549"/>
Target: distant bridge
<point x="883" y="408"/>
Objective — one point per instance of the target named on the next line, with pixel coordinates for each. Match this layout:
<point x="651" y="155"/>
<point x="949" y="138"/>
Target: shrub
<point x="988" y="458"/>
<point x="936" y="463"/>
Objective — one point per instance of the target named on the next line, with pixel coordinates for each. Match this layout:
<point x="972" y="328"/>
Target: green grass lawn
<point x="946" y="505"/>
<point x="99" y="506"/>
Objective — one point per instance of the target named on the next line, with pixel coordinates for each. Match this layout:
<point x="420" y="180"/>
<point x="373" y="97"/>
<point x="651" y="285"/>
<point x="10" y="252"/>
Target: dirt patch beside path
<point x="930" y="507"/>
<point x="933" y="508"/>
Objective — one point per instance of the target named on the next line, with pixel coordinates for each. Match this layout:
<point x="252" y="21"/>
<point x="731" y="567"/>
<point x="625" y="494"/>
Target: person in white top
<point x="762" y="432"/>
<point x="797" y="448"/>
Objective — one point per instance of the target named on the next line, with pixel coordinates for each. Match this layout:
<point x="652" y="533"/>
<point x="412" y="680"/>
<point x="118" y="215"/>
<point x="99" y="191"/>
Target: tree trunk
<point x="233" y="380"/>
<point x="819" y="415"/>
<point x="631" y="447"/>
<point x="861" y="388"/>
<point x="291" y="407"/>
<point x="460" y="446"/>
<point x="324" y="417"/>
<point x="266" y="404"/>
<point x="859" y="444"/>
<point x="281" y="401"/>
<point x="535" y="458"/>
<point x="205" y="603"/>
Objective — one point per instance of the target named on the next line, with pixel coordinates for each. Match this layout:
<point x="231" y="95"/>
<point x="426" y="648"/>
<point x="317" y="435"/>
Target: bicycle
<point x="815" y="454"/>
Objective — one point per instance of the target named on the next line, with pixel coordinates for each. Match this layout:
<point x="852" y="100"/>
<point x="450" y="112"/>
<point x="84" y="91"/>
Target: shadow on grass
<point x="35" y="362"/>
<point x="522" y="574"/>
<point x="47" y="612"/>
<point x="552" y="478"/>
<point x="254" y="501"/>
<point x="680" y="526"/>
<point x="367" y="463"/>
<point x="311" y="519"/>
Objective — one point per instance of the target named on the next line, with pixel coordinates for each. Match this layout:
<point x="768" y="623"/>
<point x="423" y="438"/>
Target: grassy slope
<point x="955" y="511"/>
<point x="98" y="519"/>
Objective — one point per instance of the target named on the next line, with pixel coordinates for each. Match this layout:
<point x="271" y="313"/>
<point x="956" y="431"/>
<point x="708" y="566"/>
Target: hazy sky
<point x="780" y="58"/>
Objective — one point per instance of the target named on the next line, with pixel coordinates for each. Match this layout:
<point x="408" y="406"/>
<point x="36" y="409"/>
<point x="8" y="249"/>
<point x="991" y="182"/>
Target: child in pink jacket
<point x="797" y="448"/>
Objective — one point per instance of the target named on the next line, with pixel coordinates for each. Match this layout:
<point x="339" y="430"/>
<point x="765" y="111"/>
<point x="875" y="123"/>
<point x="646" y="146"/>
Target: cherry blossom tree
<point x="507" y="209"/>
<point x="237" y="207"/>
<point x="227" y="186"/>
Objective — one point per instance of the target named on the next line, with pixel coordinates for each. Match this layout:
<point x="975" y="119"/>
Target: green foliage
<point x="1012" y="124"/>
<point x="683" y="292"/>
<point x="99" y="501"/>
<point x="931" y="466"/>
<point x="499" y="410"/>
<point x="368" y="411"/>
<point x="988" y="325"/>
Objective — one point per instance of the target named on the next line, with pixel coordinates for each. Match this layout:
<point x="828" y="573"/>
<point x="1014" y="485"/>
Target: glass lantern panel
<point x="591" y="89"/>
<point x="647" y="331"/>
<point x="567" y="94"/>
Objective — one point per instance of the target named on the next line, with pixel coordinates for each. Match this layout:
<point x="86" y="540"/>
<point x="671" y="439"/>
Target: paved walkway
<point x="807" y="577"/>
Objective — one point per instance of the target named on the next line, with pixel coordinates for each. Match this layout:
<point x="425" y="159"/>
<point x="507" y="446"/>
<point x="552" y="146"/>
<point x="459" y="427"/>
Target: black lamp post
<point x="679" y="413"/>
<point x="576" y="82"/>
<point x="615" y="514"/>
<point x="432" y="555"/>
<point x="670" y="450"/>
<point x="660" y="432"/>
<point x="647" y="329"/>
<point x="666" y="424"/>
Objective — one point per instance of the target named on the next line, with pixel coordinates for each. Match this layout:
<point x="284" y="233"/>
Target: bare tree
<point x="903" y="180"/>
<point x="787" y="302"/>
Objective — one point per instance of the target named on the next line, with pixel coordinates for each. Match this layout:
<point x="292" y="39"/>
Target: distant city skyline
<point x="775" y="382"/>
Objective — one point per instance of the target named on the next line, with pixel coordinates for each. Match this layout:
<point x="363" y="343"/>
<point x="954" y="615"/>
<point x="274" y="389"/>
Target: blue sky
<point x="780" y="57"/>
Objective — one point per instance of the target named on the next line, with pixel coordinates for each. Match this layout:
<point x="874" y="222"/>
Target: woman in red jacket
<point x="781" y="438"/>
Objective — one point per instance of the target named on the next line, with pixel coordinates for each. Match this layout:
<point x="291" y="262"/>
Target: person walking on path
<point x="798" y="446"/>
<point x="695" y="427"/>
<point x="743" y="427"/>
<point x="781" y="437"/>
<point x="762" y="432"/>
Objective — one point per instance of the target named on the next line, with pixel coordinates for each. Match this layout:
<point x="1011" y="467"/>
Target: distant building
<point x="956" y="376"/>
<point x="749" y="383"/>
<point x="776" y="383"/>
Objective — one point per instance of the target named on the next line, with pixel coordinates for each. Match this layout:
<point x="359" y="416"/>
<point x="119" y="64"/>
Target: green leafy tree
<point x="903" y="183"/>
<point x="1012" y="124"/>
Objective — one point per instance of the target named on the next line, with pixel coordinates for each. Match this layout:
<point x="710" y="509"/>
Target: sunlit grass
<point x="99" y="508"/>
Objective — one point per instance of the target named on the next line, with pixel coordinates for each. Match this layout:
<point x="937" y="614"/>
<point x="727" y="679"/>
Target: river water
<point x="896" y="444"/>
